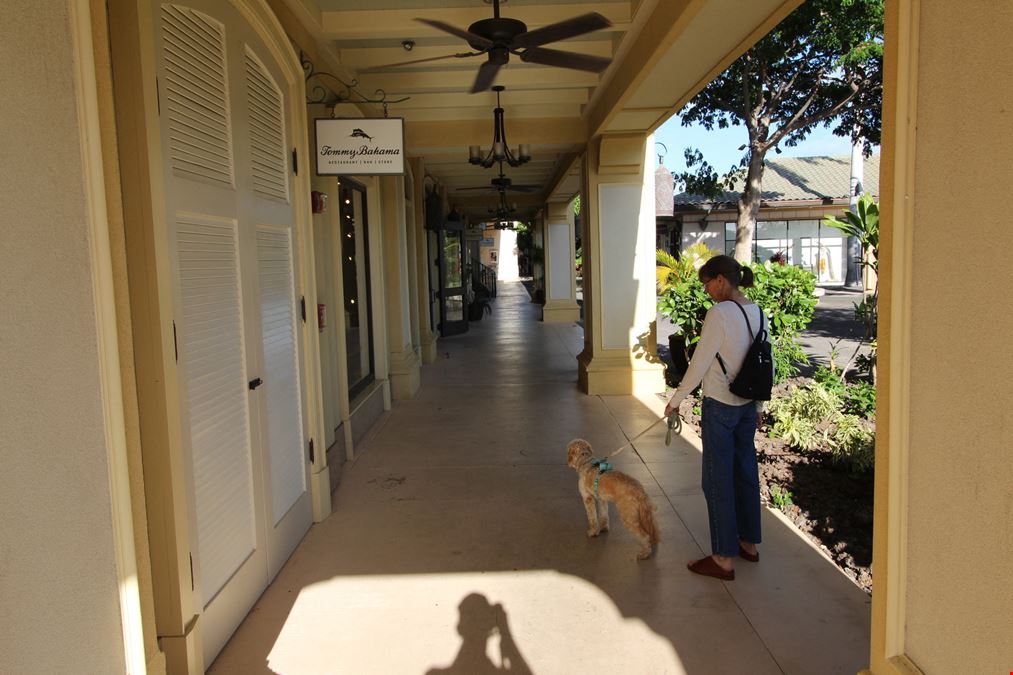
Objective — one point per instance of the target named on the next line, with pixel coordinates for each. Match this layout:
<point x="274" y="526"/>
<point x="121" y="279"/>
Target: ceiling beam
<point x="514" y="75"/>
<point x="401" y="23"/>
<point x="460" y="134"/>
<point x="378" y="57"/>
<point x="565" y="181"/>
<point x="486" y="100"/>
<point x="516" y="113"/>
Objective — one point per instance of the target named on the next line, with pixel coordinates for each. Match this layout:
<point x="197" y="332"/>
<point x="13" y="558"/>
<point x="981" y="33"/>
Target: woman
<point x="731" y="482"/>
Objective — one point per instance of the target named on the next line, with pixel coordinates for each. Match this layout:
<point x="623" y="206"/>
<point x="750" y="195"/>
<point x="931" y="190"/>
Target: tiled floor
<point x="460" y="514"/>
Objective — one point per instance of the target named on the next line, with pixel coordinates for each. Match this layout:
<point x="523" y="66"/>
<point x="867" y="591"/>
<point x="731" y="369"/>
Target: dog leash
<point x="674" y="423"/>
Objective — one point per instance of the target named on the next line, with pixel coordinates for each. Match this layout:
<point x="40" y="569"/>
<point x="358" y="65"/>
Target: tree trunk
<point x="749" y="208"/>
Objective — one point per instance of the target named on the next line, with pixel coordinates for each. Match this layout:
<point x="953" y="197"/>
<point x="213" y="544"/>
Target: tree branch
<point x="747" y="109"/>
<point x="775" y="100"/>
<point x="797" y="120"/>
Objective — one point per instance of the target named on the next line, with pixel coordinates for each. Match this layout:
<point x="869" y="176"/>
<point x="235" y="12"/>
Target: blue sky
<point x="720" y="147"/>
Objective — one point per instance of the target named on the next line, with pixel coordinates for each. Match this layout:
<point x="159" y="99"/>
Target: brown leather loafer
<point x="746" y="555"/>
<point x="708" y="568"/>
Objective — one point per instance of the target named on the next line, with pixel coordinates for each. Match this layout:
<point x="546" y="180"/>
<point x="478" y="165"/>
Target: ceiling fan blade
<point x="561" y="59"/>
<point x="431" y="58"/>
<point x="476" y="41"/>
<point x="484" y="187"/>
<point x="524" y="188"/>
<point x="578" y="25"/>
<point x="485" y="77"/>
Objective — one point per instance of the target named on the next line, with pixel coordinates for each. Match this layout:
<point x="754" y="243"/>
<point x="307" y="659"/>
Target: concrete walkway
<point x="457" y="542"/>
<point x="834" y="326"/>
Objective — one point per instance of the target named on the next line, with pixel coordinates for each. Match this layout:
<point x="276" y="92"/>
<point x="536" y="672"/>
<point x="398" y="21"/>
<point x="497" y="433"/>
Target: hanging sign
<point x="360" y="146"/>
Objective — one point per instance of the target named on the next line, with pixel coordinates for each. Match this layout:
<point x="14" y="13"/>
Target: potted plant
<point x="682" y="299"/>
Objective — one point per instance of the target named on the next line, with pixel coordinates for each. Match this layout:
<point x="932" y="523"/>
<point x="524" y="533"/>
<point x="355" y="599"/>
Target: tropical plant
<point x="863" y="224"/>
<point x="811" y="417"/>
<point x="801" y="418"/>
<point x="671" y="269"/>
<point x="822" y="65"/>
<point x="858" y="398"/>
<point x="785" y="293"/>
<point x="853" y="443"/>
<point x="685" y="303"/>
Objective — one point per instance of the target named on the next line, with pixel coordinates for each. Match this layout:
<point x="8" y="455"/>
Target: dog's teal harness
<point x="603" y="467"/>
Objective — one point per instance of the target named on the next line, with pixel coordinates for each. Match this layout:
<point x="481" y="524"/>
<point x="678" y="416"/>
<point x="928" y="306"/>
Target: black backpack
<point x="756" y="377"/>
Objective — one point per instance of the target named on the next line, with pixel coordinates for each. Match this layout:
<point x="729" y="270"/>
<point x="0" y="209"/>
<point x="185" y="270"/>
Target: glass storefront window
<point x="830" y="265"/>
<point x="771" y="238"/>
<point x="806" y="243"/>
<point x="452" y="254"/>
<point x="455" y="308"/>
<point x="355" y="274"/>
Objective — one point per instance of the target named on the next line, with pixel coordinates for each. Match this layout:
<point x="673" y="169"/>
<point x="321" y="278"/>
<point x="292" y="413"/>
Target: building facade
<point x="193" y="345"/>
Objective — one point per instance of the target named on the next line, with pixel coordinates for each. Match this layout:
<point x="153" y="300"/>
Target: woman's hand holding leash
<point x="674" y="422"/>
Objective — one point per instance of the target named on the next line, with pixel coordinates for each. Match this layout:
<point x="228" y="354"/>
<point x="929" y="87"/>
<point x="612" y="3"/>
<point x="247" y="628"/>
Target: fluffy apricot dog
<point x="635" y="507"/>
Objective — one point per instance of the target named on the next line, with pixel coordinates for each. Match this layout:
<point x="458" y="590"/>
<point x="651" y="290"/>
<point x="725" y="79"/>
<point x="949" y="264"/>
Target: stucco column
<point x="404" y="363"/>
<point x="427" y="337"/>
<point x="617" y="205"/>
<point x="560" y="278"/>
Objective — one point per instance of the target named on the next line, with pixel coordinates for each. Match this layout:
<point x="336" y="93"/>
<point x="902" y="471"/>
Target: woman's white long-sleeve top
<point x="724" y="332"/>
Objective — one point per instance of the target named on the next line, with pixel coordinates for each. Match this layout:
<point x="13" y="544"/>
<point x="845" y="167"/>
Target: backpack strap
<point x="749" y="327"/>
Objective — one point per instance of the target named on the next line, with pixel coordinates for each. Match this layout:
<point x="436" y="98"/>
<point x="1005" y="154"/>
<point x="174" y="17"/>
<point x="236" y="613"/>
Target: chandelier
<point x="500" y="151"/>
<point x="503" y="209"/>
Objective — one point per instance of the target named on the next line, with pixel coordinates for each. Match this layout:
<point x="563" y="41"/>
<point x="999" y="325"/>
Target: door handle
<point x="255" y="383"/>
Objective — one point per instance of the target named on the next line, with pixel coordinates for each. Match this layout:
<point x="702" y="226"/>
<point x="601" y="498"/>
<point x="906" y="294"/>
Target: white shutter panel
<point x="200" y="135"/>
<point x="267" y="131"/>
<point x="283" y="405"/>
<point x="212" y="356"/>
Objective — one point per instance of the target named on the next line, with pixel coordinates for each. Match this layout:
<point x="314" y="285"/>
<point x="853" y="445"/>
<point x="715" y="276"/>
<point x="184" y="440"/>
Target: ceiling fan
<point x="502" y="185"/>
<point x="499" y="37"/>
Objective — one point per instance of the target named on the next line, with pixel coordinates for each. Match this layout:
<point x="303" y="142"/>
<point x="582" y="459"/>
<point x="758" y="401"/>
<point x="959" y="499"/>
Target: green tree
<point x="822" y="65"/>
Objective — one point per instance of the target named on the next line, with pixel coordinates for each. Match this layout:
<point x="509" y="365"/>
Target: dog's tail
<point x="645" y="515"/>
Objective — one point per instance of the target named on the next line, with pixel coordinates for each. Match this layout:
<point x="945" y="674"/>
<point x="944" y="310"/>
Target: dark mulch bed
<point x="832" y="506"/>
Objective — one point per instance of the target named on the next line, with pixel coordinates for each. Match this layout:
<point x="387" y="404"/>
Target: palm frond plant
<point x="863" y="224"/>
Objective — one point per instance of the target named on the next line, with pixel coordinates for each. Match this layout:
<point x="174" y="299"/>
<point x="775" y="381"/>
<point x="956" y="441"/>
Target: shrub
<point x="686" y="304"/>
<point x="801" y="418"/>
<point x="858" y="398"/>
<point x="784" y="292"/>
<point x="853" y="443"/>
<point x="811" y="417"/>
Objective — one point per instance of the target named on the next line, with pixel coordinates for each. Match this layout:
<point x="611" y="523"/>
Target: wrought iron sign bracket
<point x="318" y="91"/>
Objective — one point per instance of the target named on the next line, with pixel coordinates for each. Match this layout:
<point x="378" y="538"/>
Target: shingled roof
<point x="799" y="179"/>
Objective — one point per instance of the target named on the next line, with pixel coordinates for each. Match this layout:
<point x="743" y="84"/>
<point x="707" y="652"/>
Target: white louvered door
<point x="226" y="138"/>
<point x="267" y="207"/>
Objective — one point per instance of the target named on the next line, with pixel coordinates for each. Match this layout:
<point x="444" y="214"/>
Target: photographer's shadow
<point x="479" y="622"/>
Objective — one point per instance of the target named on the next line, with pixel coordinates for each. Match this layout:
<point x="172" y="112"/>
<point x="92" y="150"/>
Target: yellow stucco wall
<point x="58" y="582"/>
<point x="959" y="603"/>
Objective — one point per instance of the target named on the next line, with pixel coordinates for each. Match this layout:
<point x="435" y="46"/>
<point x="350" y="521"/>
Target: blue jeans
<point x="731" y="482"/>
